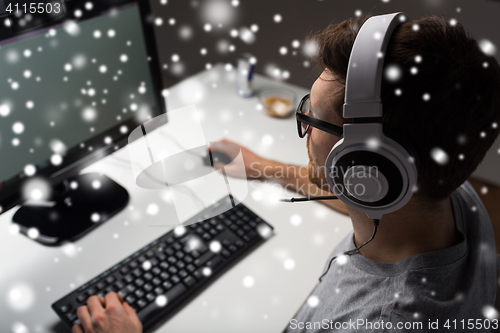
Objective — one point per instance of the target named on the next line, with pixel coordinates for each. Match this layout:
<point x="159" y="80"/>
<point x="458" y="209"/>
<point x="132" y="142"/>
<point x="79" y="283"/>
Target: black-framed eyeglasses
<point x="304" y="121"/>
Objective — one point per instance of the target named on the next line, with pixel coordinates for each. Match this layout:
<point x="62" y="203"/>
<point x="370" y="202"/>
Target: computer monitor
<point x="72" y="88"/>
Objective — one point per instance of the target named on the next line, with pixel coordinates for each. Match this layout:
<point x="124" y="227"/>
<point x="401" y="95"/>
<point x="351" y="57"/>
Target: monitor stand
<point x="73" y="210"/>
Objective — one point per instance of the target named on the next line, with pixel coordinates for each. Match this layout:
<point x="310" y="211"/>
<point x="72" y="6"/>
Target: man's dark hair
<point x="460" y="112"/>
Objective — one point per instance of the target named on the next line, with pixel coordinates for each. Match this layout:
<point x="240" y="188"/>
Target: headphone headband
<point x="364" y="74"/>
<point x="364" y="146"/>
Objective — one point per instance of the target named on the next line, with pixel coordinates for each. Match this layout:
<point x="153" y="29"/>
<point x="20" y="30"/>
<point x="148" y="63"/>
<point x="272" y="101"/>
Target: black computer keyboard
<point x="159" y="278"/>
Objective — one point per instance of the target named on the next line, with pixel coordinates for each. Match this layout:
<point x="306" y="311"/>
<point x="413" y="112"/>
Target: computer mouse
<point x="217" y="156"/>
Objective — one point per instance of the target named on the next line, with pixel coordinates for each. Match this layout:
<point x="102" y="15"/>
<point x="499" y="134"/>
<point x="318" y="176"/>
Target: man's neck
<point x="406" y="232"/>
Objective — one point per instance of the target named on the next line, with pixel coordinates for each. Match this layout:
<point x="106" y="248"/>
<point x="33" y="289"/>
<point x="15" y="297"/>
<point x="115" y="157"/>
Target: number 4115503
<point x="33" y="8"/>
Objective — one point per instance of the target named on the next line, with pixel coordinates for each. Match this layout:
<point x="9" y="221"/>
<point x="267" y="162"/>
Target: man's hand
<point x="254" y="164"/>
<point x="107" y="315"/>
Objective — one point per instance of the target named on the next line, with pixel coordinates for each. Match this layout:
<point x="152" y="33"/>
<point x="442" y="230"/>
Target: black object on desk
<point x="162" y="276"/>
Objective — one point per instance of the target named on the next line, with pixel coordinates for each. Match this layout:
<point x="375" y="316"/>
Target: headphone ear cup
<point x="375" y="176"/>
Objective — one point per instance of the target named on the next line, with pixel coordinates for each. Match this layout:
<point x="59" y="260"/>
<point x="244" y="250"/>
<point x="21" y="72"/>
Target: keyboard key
<point x="101" y="285"/>
<point x="159" y="290"/>
<point x="167" y="285"/>
<point x="130" y="288"/>
<point x="148" y="276"/>
<point x="123" y="292"/>
<point x="164" y="275"/>
<point x="110" y="279"/>
<point x="82" y="298"/>
<point x="249" y="236"/>
<point x="129" y="278"/>
<point x="175" y="279"/>
<point x="148" y="287"/>
<point x="189" y="281"/>
<point x="91" y="291"/>
<point x="71" y="316"/>
<point x="150" y="297"/>
<point x="142" y="303"/>
<point x="139" y="293"/>
<point x="198" y="274"/>
<point x="233" y="248"/>
<point x="151" y="310"/>
<point x="226" y="253"/>
<point x="137" y="272"/>
<point x="139" y="282"/>
<point x="65" y="308"/>
<point x="172" y="260"/>
<point x="119" y="285"/>
<point x="130" y="299"/>
<point x="156" y="281"/>
<point x="108" y="289"/>
<point x="204" y="258"/>
<point x="214" y="262"/>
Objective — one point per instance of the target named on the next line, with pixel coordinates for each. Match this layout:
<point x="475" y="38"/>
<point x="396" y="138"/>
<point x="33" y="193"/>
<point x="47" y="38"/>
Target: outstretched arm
<point x="292" y="177"/>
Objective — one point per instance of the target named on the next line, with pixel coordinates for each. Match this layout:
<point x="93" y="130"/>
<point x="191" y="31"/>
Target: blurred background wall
<point x="194" y="33"/>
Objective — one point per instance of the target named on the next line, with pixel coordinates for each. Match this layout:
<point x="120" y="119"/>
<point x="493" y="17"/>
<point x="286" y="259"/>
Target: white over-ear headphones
<point x="365" y="169"/>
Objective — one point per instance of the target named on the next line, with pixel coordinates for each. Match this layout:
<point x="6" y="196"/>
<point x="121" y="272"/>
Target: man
<point x="431" y="266"/>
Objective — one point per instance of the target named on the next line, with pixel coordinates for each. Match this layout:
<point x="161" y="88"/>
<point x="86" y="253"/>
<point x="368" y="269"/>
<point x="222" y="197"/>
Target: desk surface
<point x="33" y="276"/>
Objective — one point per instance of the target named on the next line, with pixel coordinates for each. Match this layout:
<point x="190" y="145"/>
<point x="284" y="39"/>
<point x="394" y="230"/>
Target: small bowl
<point x="278" y="103"/>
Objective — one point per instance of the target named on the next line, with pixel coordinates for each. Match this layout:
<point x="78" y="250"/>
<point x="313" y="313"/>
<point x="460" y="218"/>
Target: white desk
<point x="33" y="276"/>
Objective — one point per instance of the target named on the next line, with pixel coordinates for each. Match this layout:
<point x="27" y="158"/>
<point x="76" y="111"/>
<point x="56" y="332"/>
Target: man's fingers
<point x="95" y="304"/>
<point x="78" y="328"/>
<point x="132" y="314"/>
<point x="113" y="302"/>
<point x="86" y="321"/>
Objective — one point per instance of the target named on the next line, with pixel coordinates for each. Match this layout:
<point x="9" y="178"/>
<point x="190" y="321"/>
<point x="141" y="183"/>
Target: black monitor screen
<point x="70" y="89"/>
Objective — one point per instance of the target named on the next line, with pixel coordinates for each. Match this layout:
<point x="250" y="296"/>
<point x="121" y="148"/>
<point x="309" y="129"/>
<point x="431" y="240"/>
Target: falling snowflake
<point x="248" y="281"/>
<point x="490" y="312"/>
<point x="313" y="301"/>
<point x="289" y="264"/>
<point x="487" y="47"/>
<point x="439" y="156"/>
<point x="393" y="73"/>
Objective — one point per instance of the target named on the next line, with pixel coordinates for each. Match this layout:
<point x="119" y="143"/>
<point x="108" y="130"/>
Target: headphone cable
<point x="356" y="250"/>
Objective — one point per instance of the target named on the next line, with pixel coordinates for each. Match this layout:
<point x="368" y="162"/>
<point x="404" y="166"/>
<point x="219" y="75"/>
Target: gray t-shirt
<point x="447" y="286"/>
